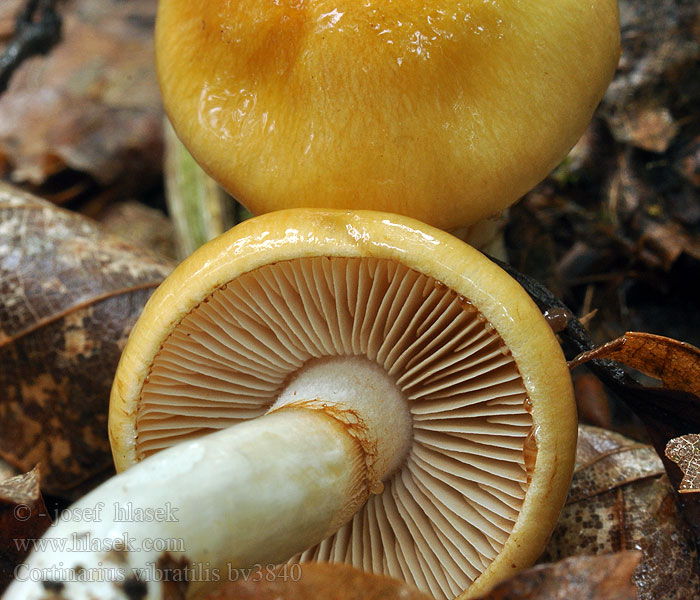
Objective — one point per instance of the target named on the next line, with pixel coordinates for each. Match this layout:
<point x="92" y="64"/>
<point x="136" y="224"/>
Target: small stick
<point x="38" y="29"/>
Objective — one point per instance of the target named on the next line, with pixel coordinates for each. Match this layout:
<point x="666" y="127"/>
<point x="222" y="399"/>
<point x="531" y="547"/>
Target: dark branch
<point x="37" y="30"/>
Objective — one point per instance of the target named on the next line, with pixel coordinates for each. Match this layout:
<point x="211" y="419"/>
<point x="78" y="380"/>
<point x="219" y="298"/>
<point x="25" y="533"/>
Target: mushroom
<point x="326" y="385"/>
<point x="446" y="112"/>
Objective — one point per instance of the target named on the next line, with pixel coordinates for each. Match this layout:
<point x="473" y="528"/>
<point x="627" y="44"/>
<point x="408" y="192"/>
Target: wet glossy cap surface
<point x="445" y="112"/>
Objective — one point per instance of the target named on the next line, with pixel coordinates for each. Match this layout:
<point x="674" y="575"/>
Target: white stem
<point x="246" y="497"/>
<point x="360" y="394"/>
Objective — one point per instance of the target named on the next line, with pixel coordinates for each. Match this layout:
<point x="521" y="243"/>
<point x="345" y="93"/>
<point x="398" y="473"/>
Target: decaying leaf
<point x="9" y="10"/>
<point x="675" y="363"/>
<point x="325" y="581"/>
<point x="685" y="452"/>
<point x="621" y="499"/>
<point x="617" y="226"/>
<point x="141" y="225"/>
<point x="23" y="517"/>
<point x="592" y="401"/>
<point x="605" y="577"/>
<point x="7" y="470"/>
<point x="660" y="50"/>
<point x="69" y="295"/>
<point x="92" y="105"/>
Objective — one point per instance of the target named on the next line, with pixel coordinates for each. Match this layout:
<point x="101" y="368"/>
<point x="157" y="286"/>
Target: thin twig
<point x="37" y="30"/>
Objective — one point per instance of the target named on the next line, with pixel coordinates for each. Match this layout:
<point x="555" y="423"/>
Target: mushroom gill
<point x="445" y="514"/>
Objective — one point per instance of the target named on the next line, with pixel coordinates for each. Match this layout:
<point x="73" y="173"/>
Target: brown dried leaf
<point x="606" y="460"/>
<point x="91" y="105"/>
<point x="592" y="401"/>
<point x="660" y="51"/>
<point x="688" y="165"/>
<point x="7" y="470"/>
<point x="667" y="241"/>
<point x="141" y="225"/>
<point x="651" y="128"/>
<point x="315" y="580"/>
<point x="676" y="364"/>
<point x="8" y="14"/>
<point x="605" y="577"/>
<point x="23" y="516"/>
<point x="685" y="452"/>
<point x="69" y="295"/>
<point x="620" y="500"/>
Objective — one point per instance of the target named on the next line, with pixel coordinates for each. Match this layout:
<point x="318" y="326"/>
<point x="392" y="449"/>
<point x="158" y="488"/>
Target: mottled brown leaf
<point x="69" y="295"/>
<point x="23" y="516"/>
<point x="605" y="577"/>
<point x="676" y="364"/>
<point x="91" y="105"/>
<point x="314" y="580"/>
<point x="621" y="499"/>
<point x="606" y="460"/>
<point x="685" y="452"/>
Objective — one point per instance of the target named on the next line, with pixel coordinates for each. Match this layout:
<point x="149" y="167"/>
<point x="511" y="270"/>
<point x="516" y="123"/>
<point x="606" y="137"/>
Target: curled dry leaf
<point x="685" y="452"/>
<point x="621" y="499"/>
<point x="69" y="295"/>
<point x="314" y="580"/>
<point x="92" y="105"/>
<point x="605" y="577"/>
<point x="675" y="363"/>
<point x="23" y="517"/>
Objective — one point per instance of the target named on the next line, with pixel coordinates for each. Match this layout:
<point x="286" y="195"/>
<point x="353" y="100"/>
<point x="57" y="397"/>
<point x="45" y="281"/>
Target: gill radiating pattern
<point x="448" y="511"/>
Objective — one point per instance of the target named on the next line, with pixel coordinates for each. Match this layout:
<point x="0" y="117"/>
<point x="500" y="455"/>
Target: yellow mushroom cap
<point x="443" y="111"/>
<point x="485" y="381"/>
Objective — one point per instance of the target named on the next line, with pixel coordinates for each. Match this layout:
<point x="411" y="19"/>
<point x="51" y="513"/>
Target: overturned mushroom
<point x="373" y="391"/>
